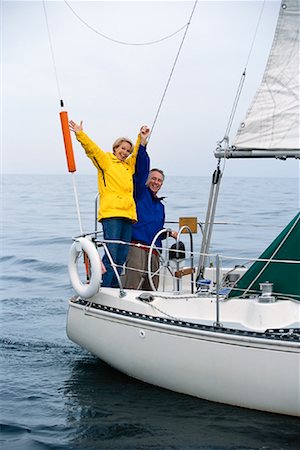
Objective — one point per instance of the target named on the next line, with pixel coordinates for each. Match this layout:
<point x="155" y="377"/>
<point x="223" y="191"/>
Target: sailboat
<point x="236" y="338"/>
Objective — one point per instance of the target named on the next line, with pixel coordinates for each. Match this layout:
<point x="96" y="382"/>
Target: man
<point x="151" y="219"/>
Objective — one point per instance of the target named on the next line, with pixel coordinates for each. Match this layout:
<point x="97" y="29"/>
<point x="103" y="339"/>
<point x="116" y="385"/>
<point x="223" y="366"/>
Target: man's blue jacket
<point x="150" y="209"/>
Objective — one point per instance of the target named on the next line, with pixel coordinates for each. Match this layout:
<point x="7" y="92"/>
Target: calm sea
<point x="54" y="395"/>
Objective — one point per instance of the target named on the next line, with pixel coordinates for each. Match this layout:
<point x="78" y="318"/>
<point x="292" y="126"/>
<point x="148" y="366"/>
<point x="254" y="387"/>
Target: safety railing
<point x="223" y="279"/>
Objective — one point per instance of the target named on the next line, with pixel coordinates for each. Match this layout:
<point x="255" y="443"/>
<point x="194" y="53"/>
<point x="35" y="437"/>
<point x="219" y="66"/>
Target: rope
<point x="186" y="26"/>
<point x="52" y="51"/>
<point x="124" y="42"/>
<point x="172" y="70"/>
<point x="77" y="202"/>
<point x="62" y="105"/>
<point x="160" y="310"/>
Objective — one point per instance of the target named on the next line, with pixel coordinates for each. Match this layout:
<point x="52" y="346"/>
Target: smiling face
<point x="122" y="148"/>
<point x="155" y="181"/>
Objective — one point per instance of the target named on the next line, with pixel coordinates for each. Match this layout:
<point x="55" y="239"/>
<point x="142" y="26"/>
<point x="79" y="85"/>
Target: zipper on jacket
<point x="101" y="170"/>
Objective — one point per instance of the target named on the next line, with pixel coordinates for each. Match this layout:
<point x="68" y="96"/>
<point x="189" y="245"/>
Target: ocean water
<point x="55" y="395"/>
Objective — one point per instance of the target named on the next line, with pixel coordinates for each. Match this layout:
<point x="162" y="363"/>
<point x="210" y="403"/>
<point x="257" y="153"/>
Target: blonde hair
<point x="119" y="141"/>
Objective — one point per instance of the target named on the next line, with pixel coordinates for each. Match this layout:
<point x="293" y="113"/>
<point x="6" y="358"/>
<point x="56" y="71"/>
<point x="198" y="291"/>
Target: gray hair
<point x="155" y="170"/>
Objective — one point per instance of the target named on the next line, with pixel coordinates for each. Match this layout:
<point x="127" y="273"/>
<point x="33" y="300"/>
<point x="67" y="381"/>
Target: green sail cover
<point x="285" y="276"/>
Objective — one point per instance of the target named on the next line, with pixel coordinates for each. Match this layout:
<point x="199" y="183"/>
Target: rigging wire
<point x="235" y="103"/>
<point x="255" y="33"/>
<point x="276" y="250"/>
<point x="241" y="83"/>
<point x="62" y="105"/>
<point x="116" y="41"/>
<point x="186" y="26"/>
<point x="172" y="70"/>
<point x="239" y="91"/>
<point x="52" y="52"/>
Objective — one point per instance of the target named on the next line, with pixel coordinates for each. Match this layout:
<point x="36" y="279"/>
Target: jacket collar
<point x="155" y="197"/>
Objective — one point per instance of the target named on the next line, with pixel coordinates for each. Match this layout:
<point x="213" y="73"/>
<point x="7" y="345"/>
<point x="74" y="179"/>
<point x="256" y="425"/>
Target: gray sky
<point x="117" y="88"/>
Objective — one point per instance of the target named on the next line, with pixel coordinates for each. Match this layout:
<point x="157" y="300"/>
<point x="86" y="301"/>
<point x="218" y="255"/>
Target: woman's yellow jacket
<point x="115" y="183"/>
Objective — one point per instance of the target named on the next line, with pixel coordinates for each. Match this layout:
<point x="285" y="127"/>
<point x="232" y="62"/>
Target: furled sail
<point x="272" y="124"/>
<point x="284" y="275"/>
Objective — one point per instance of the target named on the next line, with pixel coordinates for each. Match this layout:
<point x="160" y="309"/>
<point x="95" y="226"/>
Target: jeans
<point x="115" y="229"/>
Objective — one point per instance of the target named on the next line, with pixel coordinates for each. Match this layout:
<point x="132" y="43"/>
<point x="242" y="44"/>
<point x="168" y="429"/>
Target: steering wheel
<point x="163" y="259"/>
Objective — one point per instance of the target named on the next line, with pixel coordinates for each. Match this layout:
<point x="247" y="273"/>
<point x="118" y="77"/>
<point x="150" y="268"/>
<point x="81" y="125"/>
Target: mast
<point x="272" y="124"/>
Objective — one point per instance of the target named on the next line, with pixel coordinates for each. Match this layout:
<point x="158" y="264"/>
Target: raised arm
<point x="144" y="133"/>
<point x="74" y="127"/>
<point x="141" y="140"/>
<point x="142" y="169"/>
<point x="97" y="156"/>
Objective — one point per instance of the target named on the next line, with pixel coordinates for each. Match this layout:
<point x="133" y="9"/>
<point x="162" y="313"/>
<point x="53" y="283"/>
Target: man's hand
<point x="173" y="234"/>
<point x="144" y="134"/>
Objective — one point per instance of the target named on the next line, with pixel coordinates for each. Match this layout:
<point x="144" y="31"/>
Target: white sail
<point x="271" y="127"/>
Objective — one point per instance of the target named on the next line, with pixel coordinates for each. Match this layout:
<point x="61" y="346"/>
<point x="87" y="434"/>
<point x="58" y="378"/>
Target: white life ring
<point x="89" y="289"/>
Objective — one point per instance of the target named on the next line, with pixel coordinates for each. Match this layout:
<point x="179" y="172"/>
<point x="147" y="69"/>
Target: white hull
<point x="245" y="370"/>
<point x="241" y="351"/>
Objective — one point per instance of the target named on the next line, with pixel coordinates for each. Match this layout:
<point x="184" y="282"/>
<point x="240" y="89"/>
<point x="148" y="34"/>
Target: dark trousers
<point x="136" y="275"/>
<point x="115" y="229"/>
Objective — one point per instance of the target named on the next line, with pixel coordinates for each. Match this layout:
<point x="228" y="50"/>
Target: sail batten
<point x="272" y="124"/>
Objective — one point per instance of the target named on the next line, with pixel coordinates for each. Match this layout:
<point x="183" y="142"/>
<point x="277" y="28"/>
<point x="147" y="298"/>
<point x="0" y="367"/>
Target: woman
<point x="117" y="210"/>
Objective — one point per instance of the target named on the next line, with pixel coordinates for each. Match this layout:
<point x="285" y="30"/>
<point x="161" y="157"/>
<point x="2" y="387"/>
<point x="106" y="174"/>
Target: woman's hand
<point x="144" y="134"/>
<point x="74" y="127"/>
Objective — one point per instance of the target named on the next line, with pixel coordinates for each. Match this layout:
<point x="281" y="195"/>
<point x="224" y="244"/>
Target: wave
<point x="34" y="263"/>
<point x="13" y="429"/>
<point x="20" y="279"/>
<point x="18" y="301"/>
<point x="18" y="437"/>
<point x="6" y="258"/>
<point x="66" y="347"/>
<point x="53" y="240"/>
